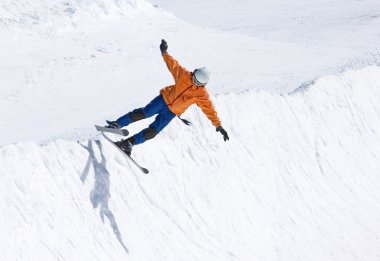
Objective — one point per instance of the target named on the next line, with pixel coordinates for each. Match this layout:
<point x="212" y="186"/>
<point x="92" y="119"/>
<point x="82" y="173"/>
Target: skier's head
<point x="201" y="76"/>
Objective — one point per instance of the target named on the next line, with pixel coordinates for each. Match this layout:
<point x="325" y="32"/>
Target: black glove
<point x="113" y="125"/>
<point x="224" y="133"/>
<point x="163" y="46"/>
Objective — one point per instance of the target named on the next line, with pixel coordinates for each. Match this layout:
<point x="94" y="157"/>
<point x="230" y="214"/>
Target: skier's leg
<point x="161" y="121"/>
<point x="138" y="114"/>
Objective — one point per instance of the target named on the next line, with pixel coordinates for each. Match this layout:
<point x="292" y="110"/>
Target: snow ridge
<point x="300" y="174"/>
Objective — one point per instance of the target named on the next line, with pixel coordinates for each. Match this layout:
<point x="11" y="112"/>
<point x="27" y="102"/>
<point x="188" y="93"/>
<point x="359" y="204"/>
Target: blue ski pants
<point x="156" y="106"/>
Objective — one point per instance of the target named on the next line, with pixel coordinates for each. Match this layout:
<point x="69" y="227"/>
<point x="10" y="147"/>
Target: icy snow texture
<point x="53" y="14"/>
<point x="299" y="180"/>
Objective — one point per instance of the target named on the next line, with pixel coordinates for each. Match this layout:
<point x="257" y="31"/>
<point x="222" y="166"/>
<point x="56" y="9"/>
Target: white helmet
<point x="201" y="76"/>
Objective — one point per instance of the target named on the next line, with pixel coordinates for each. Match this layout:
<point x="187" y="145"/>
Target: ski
<point x="122" y="132"/>
<point x="144" y="170"/>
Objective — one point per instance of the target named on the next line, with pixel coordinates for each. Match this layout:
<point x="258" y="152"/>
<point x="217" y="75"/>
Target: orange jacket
<point x="184" y="93"/>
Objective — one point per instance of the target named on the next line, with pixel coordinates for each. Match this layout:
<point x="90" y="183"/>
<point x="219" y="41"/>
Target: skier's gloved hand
<point x="163" y="46"/>
<point x="113" y="125"/>
<point x="223" y="132"/>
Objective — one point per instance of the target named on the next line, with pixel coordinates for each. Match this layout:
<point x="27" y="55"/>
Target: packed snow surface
<point x="296" y="90"/>
<point x="299" y="179"/>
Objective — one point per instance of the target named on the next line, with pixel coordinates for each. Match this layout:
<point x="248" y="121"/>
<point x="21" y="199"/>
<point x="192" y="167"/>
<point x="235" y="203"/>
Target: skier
<point x="189" y="88"/>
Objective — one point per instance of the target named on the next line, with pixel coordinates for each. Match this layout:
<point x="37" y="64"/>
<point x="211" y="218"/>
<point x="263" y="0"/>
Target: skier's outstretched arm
<point x="208" y="108"/>
<point x="174" y="67"/>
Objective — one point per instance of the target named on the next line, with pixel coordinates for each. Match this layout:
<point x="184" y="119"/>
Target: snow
<point x="298" y="180"/>
<point x="296" y="90"/>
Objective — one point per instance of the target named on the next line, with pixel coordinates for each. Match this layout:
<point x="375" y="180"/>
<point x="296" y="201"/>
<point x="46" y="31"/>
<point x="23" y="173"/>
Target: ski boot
<point x="125" y="145"/>
<point x="113" y="125"/>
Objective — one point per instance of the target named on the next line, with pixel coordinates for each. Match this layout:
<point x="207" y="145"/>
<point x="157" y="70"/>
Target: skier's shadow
<point x="101" y="191"/>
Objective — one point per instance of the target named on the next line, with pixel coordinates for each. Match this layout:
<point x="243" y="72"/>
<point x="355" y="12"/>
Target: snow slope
<point x="335" y="22"/>
<point x="299" y="180"/>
